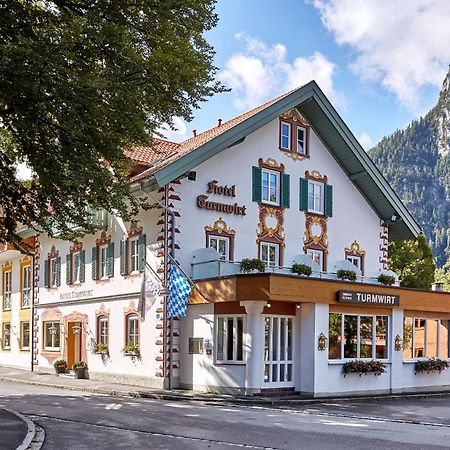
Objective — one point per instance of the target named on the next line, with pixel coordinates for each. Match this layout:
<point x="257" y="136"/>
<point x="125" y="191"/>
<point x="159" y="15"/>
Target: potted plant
<point x="131" y="350"/>
<point x="386" y="280"/>
<point x="79" y="369"/>
<point x="364" y="367"/>
<point x="249" y="265"/>
<point x="301" y="269"/>
<point x="430" y="365"/>
<point x="60" y="366"/>
<point x="101" y="349"/>
<point x="346" y="275"/>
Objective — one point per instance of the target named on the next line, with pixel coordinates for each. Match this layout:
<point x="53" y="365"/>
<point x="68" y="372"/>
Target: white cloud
<point x="402" y="44"/>
<point x="366" y="141"/>
<point x="177" y="135"/>
<point x="261" y="72"/>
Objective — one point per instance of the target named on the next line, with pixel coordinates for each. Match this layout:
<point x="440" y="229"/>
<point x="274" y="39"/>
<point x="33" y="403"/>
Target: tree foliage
<point x="80" y="81"/>
<point x="443" y="276"/>
<point x="413" y="262"/>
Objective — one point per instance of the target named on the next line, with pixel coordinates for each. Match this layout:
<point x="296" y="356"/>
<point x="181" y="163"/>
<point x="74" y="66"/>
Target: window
<point x="285" y="141"/>
<point x="53" y="276"/>
<point x="6" y="336"/>
<point x="355" y="260"/>
<point x="7" y="289"/>
<point x="52" y="335"/>
<point x="270" y="187"/>
<point x="134" y="255"/>
<point x="52" y="269"/>
<point x="229" y="338"/>
<point x="103" y="260"/>
<point x="425" y="338"/>
<point x="316" y="256"/>
<point x="221" y="244"/>
<point x="102" y="330"/>
<point x="25" y="335"/>
<point x="132" y="330"/>
<point x="301" y="140"/>
<point x="315" y="197"/>
<point x="76" y="278"/>
<point x="26" y="286"/>
<point x="357" y="336"/>
<point x="269" y="254"/>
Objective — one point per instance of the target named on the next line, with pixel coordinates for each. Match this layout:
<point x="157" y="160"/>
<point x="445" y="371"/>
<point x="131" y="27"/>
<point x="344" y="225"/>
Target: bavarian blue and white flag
<point x="179" y="291"/>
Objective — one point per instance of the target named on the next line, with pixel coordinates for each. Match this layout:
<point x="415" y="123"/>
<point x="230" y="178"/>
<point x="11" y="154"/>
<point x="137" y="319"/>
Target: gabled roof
<point x="317" y="109"/>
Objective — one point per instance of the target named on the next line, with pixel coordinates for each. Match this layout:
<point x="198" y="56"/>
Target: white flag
<point x="151" y="287"/>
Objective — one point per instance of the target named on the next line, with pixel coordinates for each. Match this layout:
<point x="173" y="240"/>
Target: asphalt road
<point x="76" y="420"/>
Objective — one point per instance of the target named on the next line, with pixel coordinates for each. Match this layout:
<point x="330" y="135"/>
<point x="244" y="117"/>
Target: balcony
<point x="207" y="264"/>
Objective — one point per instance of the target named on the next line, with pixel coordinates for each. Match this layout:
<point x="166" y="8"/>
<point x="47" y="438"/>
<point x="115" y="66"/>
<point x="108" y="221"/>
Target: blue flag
<point x="179" y="291"/>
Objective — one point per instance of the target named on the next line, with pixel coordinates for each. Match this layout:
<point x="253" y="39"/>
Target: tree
<point x="80" y="82"/>
<point x="413" y="262"/>
<point x="443" y="276"/>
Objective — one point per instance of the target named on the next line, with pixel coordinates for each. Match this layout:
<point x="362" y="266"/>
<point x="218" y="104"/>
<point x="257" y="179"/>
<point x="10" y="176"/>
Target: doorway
<point x="74" y="335"/>
<point x="278" y="352"/>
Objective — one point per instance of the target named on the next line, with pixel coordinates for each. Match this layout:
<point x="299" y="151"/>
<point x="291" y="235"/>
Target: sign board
<point x="227" y="191"/>
<point x="368" y="298"/>
<point x="76" y="294"/>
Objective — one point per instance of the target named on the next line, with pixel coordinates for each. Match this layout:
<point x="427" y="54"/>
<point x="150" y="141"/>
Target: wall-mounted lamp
<point x="322" y="342"/>
<point x="297" y="305"/>
<point x="269" y="305"/>
<point x="398" y="344"/>
<point x="76" y="329"/>
<point x="192" y="175"/>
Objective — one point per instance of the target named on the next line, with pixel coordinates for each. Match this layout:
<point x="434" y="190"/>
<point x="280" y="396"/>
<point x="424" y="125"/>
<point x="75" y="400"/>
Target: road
<point x="76" y="420"/>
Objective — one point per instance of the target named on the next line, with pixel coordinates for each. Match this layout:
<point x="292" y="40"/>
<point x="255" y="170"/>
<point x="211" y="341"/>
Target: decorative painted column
<point x="254" y="341"/>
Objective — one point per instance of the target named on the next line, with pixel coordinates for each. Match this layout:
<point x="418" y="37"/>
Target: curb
<point x="256" y="402"/>
<point x="31" y="431"/>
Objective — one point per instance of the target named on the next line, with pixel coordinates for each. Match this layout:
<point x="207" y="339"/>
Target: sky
<point x="380" y="62"/>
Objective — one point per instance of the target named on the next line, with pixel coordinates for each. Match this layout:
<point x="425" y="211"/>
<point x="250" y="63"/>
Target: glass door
<point x="278" y="352"/>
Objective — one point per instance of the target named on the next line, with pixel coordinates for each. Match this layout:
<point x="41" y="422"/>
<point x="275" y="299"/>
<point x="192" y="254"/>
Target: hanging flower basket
<point x="430" y="365"/>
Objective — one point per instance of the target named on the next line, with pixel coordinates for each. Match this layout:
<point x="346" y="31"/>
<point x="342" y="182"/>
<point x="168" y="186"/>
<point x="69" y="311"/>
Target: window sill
<point x="339" y="362"/>
<point x="274" y="204"/>
<point x="6" y="349"/>
<point x="52" y="350"/>
<point x="25" y="307"/>
<point x="25" y="350"/>
<point x="135" y="274"/>
<point x="413" y="361"/>
<point x="229" y="363"/>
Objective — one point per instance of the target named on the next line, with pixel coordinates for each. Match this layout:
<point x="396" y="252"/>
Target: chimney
<point x="219" y="122"/>
<point x="438" y="287"/>
<point x="194" y="132"/>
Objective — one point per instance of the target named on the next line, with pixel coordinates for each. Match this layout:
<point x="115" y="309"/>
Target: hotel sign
<point x="76" y="294"/>
<point x="368" y="298"/>
<point x="216" y="189"/>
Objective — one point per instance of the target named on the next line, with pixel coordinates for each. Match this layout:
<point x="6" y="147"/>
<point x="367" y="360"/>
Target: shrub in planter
<point x="387" y="280"/>
<point x="131" y="350"/>
<point x="301" y="269"/>
<point x="430" y="365"/>
<point x="79" y="369"/>
<point x="364" y="367"/>
<point x="248" y="265"/>
<point x="60" y="365"/>
<point x="101" y="349"/>
<point x="346" y="275"/>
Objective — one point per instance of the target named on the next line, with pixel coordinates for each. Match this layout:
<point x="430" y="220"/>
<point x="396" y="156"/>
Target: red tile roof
<point x="165" y="152"/>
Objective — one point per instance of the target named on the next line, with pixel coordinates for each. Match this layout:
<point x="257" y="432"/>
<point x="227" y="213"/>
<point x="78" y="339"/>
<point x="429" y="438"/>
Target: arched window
<point x="132" y="329"/>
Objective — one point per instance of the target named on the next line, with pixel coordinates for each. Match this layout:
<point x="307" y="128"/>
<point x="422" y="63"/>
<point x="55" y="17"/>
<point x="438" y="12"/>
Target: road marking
<point x="155" y="433"/>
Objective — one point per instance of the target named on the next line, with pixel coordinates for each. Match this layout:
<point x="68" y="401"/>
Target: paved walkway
<point x="13" y="430"/>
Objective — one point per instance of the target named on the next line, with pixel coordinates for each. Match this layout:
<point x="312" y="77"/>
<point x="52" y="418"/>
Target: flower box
<point x="364" y="367"/>
<point x="430" y="365"/>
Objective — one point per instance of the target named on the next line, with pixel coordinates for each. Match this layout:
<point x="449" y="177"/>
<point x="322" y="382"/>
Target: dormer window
<point x="301" y="140"/>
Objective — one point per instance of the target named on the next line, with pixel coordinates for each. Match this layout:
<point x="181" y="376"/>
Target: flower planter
<point x="132" y="354"/>
<point x="60" y="369"/>
<point x="359" y="367"/>
<point x="431" y="365"/>
<point x="80" y="373"/>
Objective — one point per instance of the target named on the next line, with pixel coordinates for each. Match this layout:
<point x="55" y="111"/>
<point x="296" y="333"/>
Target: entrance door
<point x="278" y="352"/>
<point x="73" y="343"/>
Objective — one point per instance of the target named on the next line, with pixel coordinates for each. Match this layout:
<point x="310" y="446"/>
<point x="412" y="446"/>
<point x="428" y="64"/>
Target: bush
<point x="301" y="269"/>
<point x="60" y="363"/>
<point x="364" y="367"/>
<point x="387" y="280"/>
<point x="79" y="365"/>
<point x="346" y="275"/>
<point x="430" y="365"/>
<point x="248" y="265"/>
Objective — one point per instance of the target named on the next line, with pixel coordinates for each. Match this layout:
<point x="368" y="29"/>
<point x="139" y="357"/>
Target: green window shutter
<point x="285" y="188"/>
<point x="141" y="252"/>
<point x="328" y="200"/>
<point x="68" y="268"/>
<point x="82" y="266"/>
<point x="123" y="255"/>
<point x="58" y="271"/>
<point x="46" y="273"/>
<point x="257" y="184"/>
<point x="110" y="260"/>
<point x="94" y="263"/>
<point x="303" y="194"/>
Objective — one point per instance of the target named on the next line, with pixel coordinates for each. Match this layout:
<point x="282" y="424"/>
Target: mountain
<point x="416" y="161"/>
